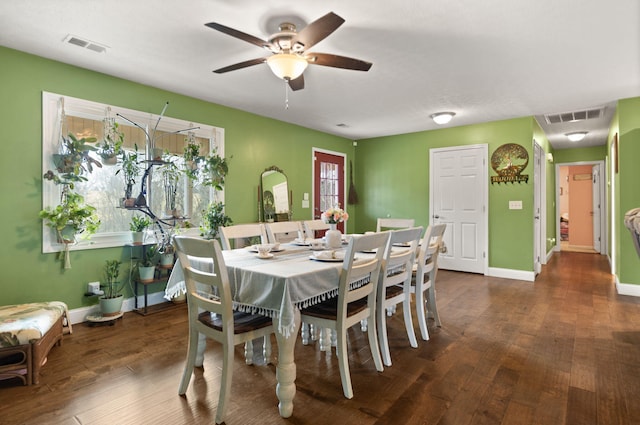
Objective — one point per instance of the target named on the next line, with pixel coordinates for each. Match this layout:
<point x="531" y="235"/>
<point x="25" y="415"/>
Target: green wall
<point x="252" y="143"/>
<point x="393" y="179"/>
<point x="628" y="189"/>
<point x="594" y="153"/>
<point x="391" y="173"/>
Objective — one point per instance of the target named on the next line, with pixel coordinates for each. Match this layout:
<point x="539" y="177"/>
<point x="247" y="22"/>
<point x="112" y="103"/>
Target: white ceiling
<point x="485" y="60"/>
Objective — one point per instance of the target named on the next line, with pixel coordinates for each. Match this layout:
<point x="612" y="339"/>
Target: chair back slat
<point x="398" y="261"/>
<point x="359" y="278"/>
<point x="205" y="275"/>
<point x="428" y="253"/>
<point x="394" y="223"/>
<point x="284" y="231"/>
<point x="238" y="232"/>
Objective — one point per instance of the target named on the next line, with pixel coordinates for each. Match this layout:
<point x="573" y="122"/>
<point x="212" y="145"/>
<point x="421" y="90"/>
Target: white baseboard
<point x="627" y="289"/>
<point x="511" y="274"/>
<point x="79" y="315"/>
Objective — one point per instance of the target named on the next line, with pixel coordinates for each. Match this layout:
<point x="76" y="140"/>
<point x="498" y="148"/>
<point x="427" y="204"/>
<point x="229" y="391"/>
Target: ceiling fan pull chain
<point x="286" y="95"/>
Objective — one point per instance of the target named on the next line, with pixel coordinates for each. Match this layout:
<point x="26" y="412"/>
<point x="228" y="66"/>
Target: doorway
<point x="580" y="218"/>
<point x="328" y="183"/>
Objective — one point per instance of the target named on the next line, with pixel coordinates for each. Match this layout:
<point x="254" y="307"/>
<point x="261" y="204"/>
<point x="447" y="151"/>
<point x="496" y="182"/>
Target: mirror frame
<point x="283" y="216"/>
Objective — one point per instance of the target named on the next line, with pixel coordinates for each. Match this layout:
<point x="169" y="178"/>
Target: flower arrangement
<point x="335" y="215"/>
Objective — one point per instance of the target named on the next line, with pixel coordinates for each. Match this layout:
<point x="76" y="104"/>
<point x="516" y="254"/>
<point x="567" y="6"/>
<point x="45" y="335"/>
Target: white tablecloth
<point x="276" y="286"/>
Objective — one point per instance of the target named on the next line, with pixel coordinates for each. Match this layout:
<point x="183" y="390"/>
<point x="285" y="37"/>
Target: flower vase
<point x="333" y="237"/>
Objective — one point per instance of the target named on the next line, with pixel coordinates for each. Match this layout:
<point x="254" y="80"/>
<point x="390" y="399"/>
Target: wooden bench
<point x="27" y="334"/>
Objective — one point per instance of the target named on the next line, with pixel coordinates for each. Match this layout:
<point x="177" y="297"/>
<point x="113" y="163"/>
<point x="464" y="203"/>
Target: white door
<point x="538" y="154"/>
<point x="595" y="181"/>
<point x="458" y="197"/>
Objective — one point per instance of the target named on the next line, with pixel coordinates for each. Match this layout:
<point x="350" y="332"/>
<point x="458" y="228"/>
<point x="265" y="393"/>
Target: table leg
<point x="286" y="369"/>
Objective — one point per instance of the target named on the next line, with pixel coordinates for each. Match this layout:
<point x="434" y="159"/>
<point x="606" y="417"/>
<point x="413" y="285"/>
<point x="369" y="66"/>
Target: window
<point x="105" y="188"/>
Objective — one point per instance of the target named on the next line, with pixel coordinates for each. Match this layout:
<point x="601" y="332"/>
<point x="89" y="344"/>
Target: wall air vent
<point x="574" y="116"/>
<point x="80" y="42"/>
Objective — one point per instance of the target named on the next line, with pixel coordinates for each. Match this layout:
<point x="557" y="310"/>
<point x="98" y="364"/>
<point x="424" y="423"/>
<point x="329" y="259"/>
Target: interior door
<point x="538" y="154"/>
<point x="457" y="196"/>
<point x="595" y="181"/>
<point x="328" y="183"/>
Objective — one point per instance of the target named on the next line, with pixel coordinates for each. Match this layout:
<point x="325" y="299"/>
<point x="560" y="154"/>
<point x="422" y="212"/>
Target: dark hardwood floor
<point x="562" y="350"/>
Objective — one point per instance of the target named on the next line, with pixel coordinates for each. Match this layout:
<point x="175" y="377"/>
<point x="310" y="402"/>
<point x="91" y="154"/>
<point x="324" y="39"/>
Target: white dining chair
<point x="211" y="313"/>
<point x="235" y="236"/>
<point x="394" y="223"/>
<point x="394" y="285"/>
<point x="356" y="301"/>
<point x="283" y="231"/>
<point x="310" y="227"/>
<point x="424" y="278"/>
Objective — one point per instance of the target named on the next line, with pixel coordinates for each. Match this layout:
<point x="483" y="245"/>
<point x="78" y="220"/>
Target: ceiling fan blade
<point x="297" y="84"/>
<point x="326" y="59"/>
<point x="318" y="30"/>
<point x="241" y="35"/>
<point x="240" y="65"/>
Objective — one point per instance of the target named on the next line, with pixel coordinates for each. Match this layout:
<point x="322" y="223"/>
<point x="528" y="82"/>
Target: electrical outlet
<point x="515" y="205"/>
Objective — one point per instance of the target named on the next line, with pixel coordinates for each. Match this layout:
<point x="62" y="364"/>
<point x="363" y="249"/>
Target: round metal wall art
<point x="509" y="161"/>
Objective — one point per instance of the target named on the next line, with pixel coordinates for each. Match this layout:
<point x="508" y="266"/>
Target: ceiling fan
<point x="289" y="48"/>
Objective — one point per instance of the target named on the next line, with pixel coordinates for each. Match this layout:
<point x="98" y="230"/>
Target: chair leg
<point x="373" y="342"/>
<point x="383" y="338"/>
<point x="343" y="363"/>
<point x="192" y="351"/>
<point x="266" y="349"/>
<point x="433" y="307"/>
<point x="421" y="313"/>
<point x="225" y="382"/>
<point x="305" y="330"/>
<point x="408" y="322"/>
<point x="248" y="352"/>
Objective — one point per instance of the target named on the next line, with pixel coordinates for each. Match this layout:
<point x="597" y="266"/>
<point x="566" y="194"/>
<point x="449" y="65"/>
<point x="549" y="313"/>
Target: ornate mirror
<point x="274" y="193"/>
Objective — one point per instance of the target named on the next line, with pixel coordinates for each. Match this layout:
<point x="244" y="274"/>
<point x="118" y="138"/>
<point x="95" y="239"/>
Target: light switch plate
<point x="515" y="205"/>
<point x="305" y="203"/>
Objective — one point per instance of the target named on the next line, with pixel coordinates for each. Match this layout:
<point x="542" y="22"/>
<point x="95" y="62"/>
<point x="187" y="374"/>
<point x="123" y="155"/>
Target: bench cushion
<point x="25" y="323"/>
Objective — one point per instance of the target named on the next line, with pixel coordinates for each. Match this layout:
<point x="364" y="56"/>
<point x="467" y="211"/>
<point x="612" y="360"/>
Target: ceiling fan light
<point x="576" y="136"/>
<point x="287" y="66"/>
<point x="441" y="118"/>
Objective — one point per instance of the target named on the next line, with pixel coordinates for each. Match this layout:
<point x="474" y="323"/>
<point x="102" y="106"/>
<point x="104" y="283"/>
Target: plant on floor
<point x="112" y="288"/>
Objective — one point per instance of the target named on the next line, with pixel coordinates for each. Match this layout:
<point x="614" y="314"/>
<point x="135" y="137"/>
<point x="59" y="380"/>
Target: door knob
<point x="436" y="216"/>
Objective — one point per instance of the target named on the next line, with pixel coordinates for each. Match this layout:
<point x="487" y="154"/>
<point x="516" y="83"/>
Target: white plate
<point x="327" y="260"/>
<point x="299" y="243"/>
<point x="266" y="257"/>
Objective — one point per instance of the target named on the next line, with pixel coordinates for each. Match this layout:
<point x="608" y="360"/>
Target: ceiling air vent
<point x="80" y="42"/>
<point x="574" y="116"/>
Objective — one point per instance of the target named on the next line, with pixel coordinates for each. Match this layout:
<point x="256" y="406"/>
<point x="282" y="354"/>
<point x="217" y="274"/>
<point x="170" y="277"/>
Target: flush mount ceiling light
<point x="287" y="66"/>
<point x="441" y="118"/>
<point x="576" y="136"/>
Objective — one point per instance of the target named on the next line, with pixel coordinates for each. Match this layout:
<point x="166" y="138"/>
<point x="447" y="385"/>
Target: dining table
<point x="278" y="286"/>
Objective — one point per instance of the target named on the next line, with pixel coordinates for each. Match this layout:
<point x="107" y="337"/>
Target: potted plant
<point x="111" y="301"/>
<point x="212" y="218"/>
<point x="70" y="218"/>
<point x="138" y="225"/>
<point x="147" y="266"/>
<point x="170" y="178"/>
<point x="75" y="159"/>
<point x="166" y="249"/>
<point x="214" y="171"/>
<point x="130" y="171"/>
<point x="111" y="146"/>
<point x="191" y="157"/>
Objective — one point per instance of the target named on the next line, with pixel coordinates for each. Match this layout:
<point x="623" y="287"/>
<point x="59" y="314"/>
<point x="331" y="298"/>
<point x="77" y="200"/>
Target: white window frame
<point x="53" y="105"/>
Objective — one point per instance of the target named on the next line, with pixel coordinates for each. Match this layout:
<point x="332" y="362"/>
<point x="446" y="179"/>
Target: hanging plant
<point x="130" y="171"/>
<point x="214" y="171"/>
<point x="112" y="144"/>
<point x="212" y="218"/>
<point x="75" y="160"/>
<point x="70" y="218"/>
